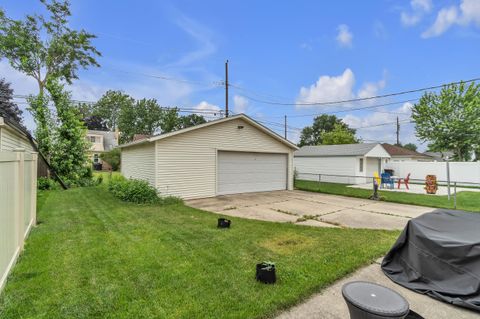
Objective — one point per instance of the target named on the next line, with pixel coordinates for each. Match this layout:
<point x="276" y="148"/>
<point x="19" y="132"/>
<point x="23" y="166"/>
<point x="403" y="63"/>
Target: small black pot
<point x="224" y="223"/>
<point x="267" y="276"/>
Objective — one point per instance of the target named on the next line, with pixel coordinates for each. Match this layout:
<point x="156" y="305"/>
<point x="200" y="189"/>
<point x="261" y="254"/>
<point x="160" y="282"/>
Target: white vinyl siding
<point x="372" y="166"/>
<point x="139" y="162"/>
<point x="186" y="164"/>
<point x="11" y="140"/>
<point x="308" y="168"/>
<point x="243" y="172"/>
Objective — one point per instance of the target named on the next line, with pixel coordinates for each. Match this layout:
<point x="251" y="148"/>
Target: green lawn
<point x="92" y="256"/>
<point x="469" y="201"/>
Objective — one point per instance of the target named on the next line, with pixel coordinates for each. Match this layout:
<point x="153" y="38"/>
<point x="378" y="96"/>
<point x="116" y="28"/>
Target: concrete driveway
<point x="313" y="209"/>
<point x="329" y="303"/>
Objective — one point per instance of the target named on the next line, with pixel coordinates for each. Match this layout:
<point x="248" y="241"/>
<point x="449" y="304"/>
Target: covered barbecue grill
<point x="438" y="254"/>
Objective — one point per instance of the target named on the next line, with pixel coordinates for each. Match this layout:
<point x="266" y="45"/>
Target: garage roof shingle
<point x="336" y="150"/>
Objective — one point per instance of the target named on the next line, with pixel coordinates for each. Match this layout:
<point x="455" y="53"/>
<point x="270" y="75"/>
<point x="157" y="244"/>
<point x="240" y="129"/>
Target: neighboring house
<point x="402" y="154"/>
<point x="101" y="141"/>
<point x="345" y="163"/>
<point x="439" y="156"/>
<point x="226" y="156"/>
<point x="13" y="136"/>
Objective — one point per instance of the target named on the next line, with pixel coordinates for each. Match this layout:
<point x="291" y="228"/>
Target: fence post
<point x="319" y="180"/>
<point x="20" y="152"/>
<point x="33" y="200"/>
<point x="455" y="195"/>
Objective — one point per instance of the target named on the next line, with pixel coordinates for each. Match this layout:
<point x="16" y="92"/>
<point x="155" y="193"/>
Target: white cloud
<point x="383" y="133"/>
<point x="467" y="13"/>
<point x="240" y="104"/>
<point x="201" y="35"/>
<point x="418" y="9"/>
<point x="371" y="88"/>
<point x="329" y="88"/>
<point x="337" y="88"/>
<point x="445" y="19"/>
<point x="344" y="37"/>
<point x="209" y="111"/>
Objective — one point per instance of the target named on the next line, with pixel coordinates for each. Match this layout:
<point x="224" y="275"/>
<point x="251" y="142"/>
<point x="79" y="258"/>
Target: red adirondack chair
<point x="404" y="180"/>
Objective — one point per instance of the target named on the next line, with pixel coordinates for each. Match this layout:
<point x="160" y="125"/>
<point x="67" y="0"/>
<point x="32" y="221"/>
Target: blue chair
<point x="387" y="180"/>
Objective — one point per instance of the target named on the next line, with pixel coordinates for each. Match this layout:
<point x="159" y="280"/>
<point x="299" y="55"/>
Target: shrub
<point x="45" y="183"/>
<point x="112" y="157"/>
<point x="132" y="190"/>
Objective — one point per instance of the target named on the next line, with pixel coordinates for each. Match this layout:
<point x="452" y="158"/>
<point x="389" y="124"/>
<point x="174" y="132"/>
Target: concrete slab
<point x="356" y="218"/>
<point x="397" y="209"/>
<point x="259" y="212"/>
<point x="329" y="303"/>
<point x="303" y="207"/>
<point x="280" y="205"/>
<point x="316" y="223"/>
<point x="342" y="201"/>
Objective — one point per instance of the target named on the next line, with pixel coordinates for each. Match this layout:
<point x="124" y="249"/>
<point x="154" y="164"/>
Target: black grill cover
<point x="438" y="254"/>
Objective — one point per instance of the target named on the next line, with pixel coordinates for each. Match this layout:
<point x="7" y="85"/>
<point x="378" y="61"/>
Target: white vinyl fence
<point x="18" y="205"/>
<point x="460" y="172"/>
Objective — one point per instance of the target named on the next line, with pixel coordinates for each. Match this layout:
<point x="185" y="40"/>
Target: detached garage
<point x="227" y="156"/>
<point x="346" y="163"/>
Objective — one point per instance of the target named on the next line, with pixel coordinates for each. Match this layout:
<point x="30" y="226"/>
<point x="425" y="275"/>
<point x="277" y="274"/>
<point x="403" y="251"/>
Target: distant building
<point x="439" y="156"/>
<point x="101" y="142"/>
<point x="402" y="154"/>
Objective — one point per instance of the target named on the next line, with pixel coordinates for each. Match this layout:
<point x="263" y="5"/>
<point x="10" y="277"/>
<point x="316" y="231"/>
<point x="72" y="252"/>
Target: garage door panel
<point x="240" y="172"/>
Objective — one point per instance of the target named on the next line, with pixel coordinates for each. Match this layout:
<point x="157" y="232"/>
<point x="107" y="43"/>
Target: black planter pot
<point x="267" y="276"/>
<point x="224" y="223"/>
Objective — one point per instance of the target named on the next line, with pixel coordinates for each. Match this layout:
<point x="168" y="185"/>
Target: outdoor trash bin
<point x="224" y="223"/>
<point x="367" y="300"/>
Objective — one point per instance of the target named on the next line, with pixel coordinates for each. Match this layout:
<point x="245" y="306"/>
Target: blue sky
<point x="286" y="51"/>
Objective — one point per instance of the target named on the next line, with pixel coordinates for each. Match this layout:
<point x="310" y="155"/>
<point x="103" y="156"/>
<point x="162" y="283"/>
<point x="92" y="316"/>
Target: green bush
<point x="112" y="157"/>
<point x="133" y="190"/>
<point x="45" y="183"/>
<point x="138" y="191"/>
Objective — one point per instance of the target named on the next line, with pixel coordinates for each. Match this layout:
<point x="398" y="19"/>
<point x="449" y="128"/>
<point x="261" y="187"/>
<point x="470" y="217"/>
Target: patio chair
<point x="387" y="180"/>
<point x="404" y="180"/>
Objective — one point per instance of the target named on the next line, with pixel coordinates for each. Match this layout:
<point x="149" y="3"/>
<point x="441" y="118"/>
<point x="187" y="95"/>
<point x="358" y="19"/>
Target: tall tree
<point x="110" y="105"/>
<point x="7" y="105"/>
<point x="190" y="120"/>
<point x="410" y="146"/>
<point x="312" y="135"/>
<point x="141" y="117"/>
<point x="46" y="47"/>
<point x="450" y="120"/>
<point x="48" y="50"/>
<point x="339" y="135"/>
<point x="69" y="156"/>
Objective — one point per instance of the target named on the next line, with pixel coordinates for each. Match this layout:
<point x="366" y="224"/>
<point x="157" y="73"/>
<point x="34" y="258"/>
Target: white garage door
<point x="241" y="172"/>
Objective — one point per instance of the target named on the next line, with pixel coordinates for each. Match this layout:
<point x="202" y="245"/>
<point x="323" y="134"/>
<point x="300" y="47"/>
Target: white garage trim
<point x="243" y="172"/>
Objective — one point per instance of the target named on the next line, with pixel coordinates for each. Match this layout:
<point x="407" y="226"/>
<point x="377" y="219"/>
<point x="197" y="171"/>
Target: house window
<point x="361" y="165"/>
<point x="95" y="158"/>
<point x="91" y="139"/>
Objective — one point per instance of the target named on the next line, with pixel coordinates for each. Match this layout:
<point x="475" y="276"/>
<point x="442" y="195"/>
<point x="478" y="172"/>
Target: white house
<point x="225" y="156"/>
<point x="347" y="163"/>
<point x="101" y="142"/>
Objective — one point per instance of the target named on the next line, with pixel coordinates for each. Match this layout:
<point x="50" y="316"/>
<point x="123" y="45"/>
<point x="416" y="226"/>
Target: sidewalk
<point x="329" y="303"/>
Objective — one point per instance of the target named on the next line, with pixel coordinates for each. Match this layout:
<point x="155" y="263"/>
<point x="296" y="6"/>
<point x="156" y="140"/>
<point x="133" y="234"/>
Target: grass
<point x="92" y="256"/>
<point x="469" y="201"/>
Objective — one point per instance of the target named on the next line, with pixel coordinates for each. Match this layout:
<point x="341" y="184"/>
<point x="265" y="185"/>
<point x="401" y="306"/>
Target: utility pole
<point x="398" y="132"/>
<point x="285" y="127"/>
<point x="226" y="88"/>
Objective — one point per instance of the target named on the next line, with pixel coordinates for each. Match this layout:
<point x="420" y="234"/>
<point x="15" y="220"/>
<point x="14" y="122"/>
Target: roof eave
<point x="196" y="127"/>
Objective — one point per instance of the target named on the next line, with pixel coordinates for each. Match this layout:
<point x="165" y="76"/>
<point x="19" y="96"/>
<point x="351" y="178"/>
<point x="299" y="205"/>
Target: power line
<point x="168" y="78"/>
<point x="352" y="109"/>
<point x="359" y="99"/>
